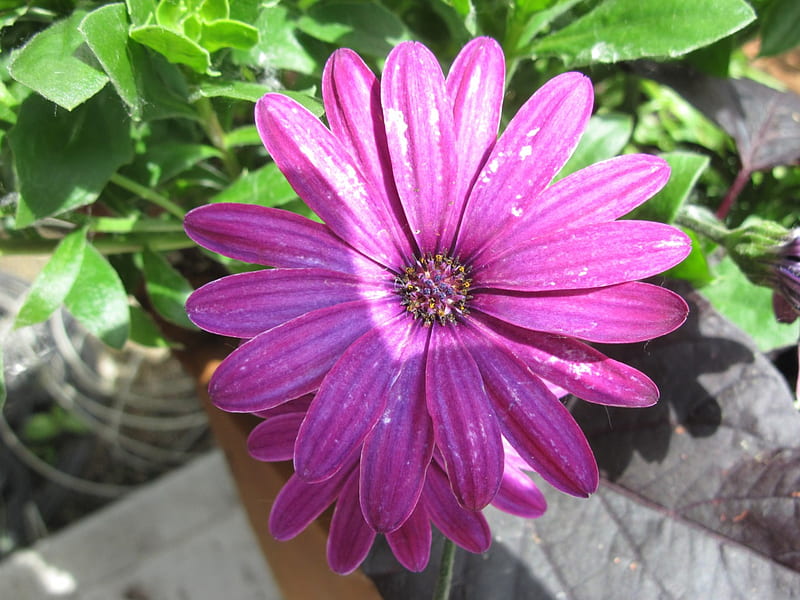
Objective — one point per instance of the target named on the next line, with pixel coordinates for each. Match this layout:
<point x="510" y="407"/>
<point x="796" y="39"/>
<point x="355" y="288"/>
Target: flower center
<point x="435" y="289"/>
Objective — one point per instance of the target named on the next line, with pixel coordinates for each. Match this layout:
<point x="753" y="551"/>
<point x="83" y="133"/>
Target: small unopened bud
<point x="769" y="255"/>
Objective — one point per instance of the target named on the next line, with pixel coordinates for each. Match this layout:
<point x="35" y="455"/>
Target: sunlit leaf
<point x="99" y="301"/>
<point x="51" y="286"/>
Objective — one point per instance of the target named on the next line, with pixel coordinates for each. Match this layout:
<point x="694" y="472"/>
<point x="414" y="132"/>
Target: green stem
<point x="132" y="225"/>
<point x="445" y="580"/>
<point x="149" y="195"/>
<point x="215" y="133"/>
<point x="703" y="222"/>
<point x="116" y="245"/>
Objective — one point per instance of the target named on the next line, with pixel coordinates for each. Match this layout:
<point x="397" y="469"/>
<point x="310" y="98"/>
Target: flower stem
<point x="742" y="177"/>
<point x="703" y="222"/>
<point x="148" y="194"/>
<point x="215" y="133"/>
<point x="105" y="245"/>
<point x="445" y="580"/>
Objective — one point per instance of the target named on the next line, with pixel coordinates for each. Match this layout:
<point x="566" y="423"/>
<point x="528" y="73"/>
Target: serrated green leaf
<point x="106" y="33"/>
<point x="749" y="306"/>
<point x="618" y="30"/>
<point x="47" y="64"/>
<point x="174" y="46"/>
<point x="98" y="300"/>
<point x="51" y="286"/>
<point x="144" y="330"/>
<point x="225" y="33"/>
<point x="64" y="159"/>
<point x="365" y="27"/>
<point x="605" y="137"/>
<point x="167" y="289"/>
<point x="686" y="168"/>
<point x="780" y="30"/>
<point x="267" y="186"/>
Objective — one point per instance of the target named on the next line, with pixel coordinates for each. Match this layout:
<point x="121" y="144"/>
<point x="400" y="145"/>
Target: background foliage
<point x="118" y="118"/>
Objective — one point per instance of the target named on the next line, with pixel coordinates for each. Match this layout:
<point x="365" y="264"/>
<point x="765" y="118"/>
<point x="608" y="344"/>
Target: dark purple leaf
<point x="700" y="494"/>
<point x="762" y="120"/>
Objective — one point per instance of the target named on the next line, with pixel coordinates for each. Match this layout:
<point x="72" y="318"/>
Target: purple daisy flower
<point x="450" y="286"/>
<point x="350" y="537"/>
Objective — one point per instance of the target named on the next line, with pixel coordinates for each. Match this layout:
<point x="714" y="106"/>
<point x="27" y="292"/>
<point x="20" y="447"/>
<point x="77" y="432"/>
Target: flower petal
<point x="324" y="174"/>
<point x="246" y="304"/>
<point x="352" y="97"/>
<point x="273" y="439"/>
<point x="411" y="543"/>
<point x="475" y="87"/>
<point x="465" y="429"/>
<point x="352" y="397"/>
<point x="628" y="312"/>
<point x="533" y="148"/>
<point x="573" y="365"/>
<point x="518" y="495"/>
<point x="271" y="236"/>
<point x="420" y="132"/>
<point x="292" y="359"/>
<point x="299" y="503"/>
<point x="599" y="193"/>
<point x="398" y="450"/>
<point x="533" y="421"/>
<point x="349" y="538"/>
<point x="467" y="528"/>
<point x="587" y="257"/>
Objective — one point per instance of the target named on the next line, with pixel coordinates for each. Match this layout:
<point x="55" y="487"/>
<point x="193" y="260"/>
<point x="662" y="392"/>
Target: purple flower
<point x="350" y="537"/>
<point x="448" y="289"/>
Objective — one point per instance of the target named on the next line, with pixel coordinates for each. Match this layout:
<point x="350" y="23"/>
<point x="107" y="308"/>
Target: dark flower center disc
<point x="435" y="289"/>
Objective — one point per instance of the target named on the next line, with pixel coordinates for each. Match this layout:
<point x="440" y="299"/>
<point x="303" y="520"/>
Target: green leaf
<point x="238" y="90"/>
<point x="144" y="330"/>
<point x="164" y="161"/>
<point x="98" y="300"/>
<point x="167" y="289"/>
<point x="540" y="20"/>
<point x="605" y="137"/>
<point x="141" y="11"/>
<point x="106" y="33"/>
<point x="243" y="136"/>
<point x="618" y="30"/>
<point x="686" y="168"/>
<point x="749" y="306"/>
<point x="267" y="186"/>
<point x="780" y="30"/>
<point x="278" y="47"/>
<point x="365" y="27"/>
<point x="212" y="10"/>
<point x="225" y="33"/>
<point x="48" y="65"/>
<point x="174" y="46"/>
<point x="150" y="86"/>
<point x="54" y="282"/>
<point x="694" y="268"/>
<point x="64" y="159"/>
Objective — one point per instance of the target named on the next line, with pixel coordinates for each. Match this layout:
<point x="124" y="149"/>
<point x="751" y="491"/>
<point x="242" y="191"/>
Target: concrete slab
<point x="182" y="537"/>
